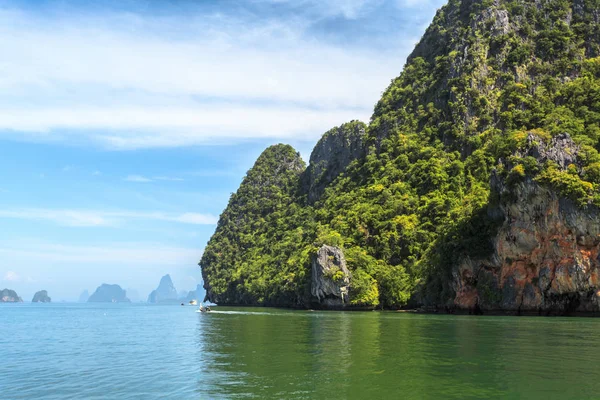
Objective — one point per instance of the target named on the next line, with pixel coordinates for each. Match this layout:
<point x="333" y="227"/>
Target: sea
<point x="130" y="351"/>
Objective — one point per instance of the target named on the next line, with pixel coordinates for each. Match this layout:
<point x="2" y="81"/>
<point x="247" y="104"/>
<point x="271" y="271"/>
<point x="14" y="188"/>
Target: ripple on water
<point x="99" y="351"/>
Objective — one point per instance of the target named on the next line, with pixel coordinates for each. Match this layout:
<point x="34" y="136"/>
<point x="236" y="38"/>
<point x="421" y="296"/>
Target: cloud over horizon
<point x="99" y="218"/>
<point x="127" y="80"/>
<point x="11" y="276"/>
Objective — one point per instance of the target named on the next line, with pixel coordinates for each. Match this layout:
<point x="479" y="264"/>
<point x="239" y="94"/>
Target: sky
<point x="125" y="126"/>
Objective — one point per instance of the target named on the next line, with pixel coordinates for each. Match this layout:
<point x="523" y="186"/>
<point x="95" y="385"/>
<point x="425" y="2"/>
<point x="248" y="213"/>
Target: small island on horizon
<point x="41" y="297"/>
<point x="9" y="296"/>
<point x="107" y="293"/>
<point x="167" y="293"/>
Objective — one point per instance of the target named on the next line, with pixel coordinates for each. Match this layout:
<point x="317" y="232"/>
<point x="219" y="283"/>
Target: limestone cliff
<point x="476" y="183"/>
<point x="335" y="150"/>
<point x="330" y="279"/>
<point x="236" y="265"/>
<point x="9" y="296"/>
<point x="165" y="292"/>
<point x="547" y="251"/>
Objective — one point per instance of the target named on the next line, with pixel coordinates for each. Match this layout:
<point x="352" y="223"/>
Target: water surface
<point x="97" y="351"/>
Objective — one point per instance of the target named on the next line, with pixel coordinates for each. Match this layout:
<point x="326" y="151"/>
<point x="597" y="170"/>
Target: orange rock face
<point x="546" y="258"/>
<point x="546" y="253"/>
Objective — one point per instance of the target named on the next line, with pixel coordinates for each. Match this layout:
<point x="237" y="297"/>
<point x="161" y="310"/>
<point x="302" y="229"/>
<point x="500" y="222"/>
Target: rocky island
<point x="41" y="297"/>
<point x="165" y="292"/>
<point x="197" y="294"/>
<point x="9" y="296"/>
<point x="109" y="294"/>
<point x="474" y="187"/>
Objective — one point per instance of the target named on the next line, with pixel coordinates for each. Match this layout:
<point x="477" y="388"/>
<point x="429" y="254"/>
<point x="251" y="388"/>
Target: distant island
<point x="197" y="294"/>
<point x="84" y="296"/>
<point x="41" y="297"/>
<point x="165" y="292"/>
<point x="109" y="294"/>
<point x="9" y="296"/>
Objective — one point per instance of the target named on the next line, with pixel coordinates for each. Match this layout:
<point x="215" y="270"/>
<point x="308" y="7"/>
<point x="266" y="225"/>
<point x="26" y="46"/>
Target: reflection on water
<point x="157" y="352"/>
<point x="295" y="354"/>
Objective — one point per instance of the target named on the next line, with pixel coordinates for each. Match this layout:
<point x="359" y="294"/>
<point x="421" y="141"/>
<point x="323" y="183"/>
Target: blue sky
<point x="125" y="126"/>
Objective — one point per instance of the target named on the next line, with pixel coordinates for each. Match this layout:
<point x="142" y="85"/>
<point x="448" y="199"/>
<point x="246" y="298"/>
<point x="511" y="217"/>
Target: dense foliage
<point x="485" y="74"/>
<point x="253" y="256"/>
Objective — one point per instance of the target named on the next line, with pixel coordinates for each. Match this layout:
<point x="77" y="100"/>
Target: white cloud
<point x="137" y="178"/>
<point x="168" y="178"/>
<point x="143" y="179"/>
<point x="62" y="217"/>
<point x="229" y="64"/>
<point x="11" y="276"/>
<point x="117" y="253"/>
<point x="129" y="128"/>
<point x="134" y="84"/>
<point x="96" y="218"/>
<point x="421" y="4"/>
<point x="349" y="9"/>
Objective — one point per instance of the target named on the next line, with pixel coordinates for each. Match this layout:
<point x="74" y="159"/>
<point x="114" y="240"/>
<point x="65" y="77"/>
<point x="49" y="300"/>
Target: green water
<point x="123" y="351"/>
<point x="390" y="355"/>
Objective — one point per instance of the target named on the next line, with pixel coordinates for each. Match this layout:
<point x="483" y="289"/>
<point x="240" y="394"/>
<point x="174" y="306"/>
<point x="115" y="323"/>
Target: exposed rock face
<point x="547" y="251"/>
<point x="165" y="292"/>
<point x="496" y="19"/>
<point x="562" y="150"/>
<point x="41" y="297"/>
<point x="9" y="296"/>
<point x="330" y="277"/>
<point x="109" y="294"/>
<point x="84" y="296"/>
<point x="332" y="154"/>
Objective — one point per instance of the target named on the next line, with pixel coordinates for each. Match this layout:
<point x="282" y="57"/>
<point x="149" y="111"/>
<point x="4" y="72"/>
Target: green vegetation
<point x="482" y="79"/>
<point x="254" y="257"/>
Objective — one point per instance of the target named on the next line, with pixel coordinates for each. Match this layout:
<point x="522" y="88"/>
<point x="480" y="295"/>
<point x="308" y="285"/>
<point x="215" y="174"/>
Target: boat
<point x="203" y="309"/>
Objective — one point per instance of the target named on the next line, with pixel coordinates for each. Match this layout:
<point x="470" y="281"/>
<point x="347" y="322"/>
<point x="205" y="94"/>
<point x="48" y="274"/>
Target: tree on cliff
<point x="414" y="200"/>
